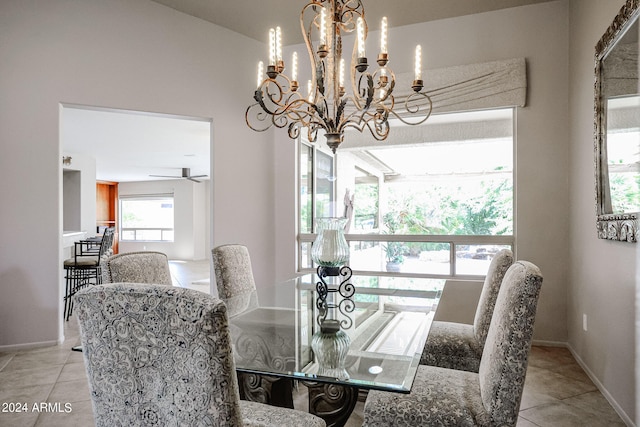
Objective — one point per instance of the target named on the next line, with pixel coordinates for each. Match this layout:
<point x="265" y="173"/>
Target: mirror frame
<point x="624" y="226"/>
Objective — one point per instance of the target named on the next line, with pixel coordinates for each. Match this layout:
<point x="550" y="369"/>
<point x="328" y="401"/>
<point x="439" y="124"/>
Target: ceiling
<point x="243" y="17"/>
<point x="130" y="146"/>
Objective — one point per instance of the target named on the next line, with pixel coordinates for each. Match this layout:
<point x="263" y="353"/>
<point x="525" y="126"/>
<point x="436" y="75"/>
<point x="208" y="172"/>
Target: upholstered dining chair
<point x="237" y="288"/>
<point x="137" y="267"/>
<point x="234" y="274"/>
<point x="459" y="345"/>
<point x="490" y="397"/>
<point x="160" y="355"/>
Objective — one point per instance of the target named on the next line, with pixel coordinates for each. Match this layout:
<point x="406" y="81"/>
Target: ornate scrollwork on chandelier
<point x="329" y="105"/>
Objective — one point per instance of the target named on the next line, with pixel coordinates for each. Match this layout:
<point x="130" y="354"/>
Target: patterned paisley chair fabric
<point x="138" y="267"/>
<point x="458" y="345"/>
<point x="161" y="356"/>
<point x="491" y="397"/>
<point x="234" y="278"/>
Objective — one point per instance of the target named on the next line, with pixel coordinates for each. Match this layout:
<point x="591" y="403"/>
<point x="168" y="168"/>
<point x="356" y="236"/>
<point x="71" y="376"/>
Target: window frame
<point x="142" y="197"/>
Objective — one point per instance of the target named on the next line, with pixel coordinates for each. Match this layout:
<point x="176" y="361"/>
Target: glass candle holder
<point x="330" y="249"/>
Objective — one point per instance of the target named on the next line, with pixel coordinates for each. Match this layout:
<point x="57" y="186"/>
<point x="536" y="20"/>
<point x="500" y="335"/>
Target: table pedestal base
<point x="265" y="389"/>
<point x="333" y="403"/>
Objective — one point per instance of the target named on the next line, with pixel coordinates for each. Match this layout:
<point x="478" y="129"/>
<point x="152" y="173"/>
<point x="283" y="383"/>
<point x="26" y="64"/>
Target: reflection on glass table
<point x="383" y="334"/>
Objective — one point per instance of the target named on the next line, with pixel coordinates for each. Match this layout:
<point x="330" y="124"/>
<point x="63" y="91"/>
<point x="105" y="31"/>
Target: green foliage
<point x="446" y="210"/>
<point x="625" y="192"/>
<point x="367" y="201"/>
<point x="394" y="222"/>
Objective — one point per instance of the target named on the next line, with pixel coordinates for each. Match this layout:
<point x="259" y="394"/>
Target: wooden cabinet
<point x="107" y="208"/>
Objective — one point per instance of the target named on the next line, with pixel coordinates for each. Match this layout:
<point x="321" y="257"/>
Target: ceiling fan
<point x="186" y="174"/>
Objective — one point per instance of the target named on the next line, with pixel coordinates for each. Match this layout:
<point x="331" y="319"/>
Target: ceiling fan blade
<point x="197" y="176"/>
<point x="165" y="176"/>
<point x="194" y="180"/>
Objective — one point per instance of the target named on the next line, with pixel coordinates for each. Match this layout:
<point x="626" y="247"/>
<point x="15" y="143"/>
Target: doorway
<point x="142" y="153"/>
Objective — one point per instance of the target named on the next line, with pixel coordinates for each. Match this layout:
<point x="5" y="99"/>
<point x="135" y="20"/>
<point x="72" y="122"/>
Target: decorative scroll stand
<point x="345" y="289"/>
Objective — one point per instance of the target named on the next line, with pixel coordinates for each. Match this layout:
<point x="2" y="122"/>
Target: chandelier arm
<point x="350" y="11"/>
<point x="260" y="115"/>
<point x="314" y="5"/>
<point x="380" y="132"/>
<point x="415" y="109"/>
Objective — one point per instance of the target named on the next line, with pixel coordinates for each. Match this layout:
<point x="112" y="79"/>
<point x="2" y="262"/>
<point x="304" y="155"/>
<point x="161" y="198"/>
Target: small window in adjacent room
<point x="147" y="218"/>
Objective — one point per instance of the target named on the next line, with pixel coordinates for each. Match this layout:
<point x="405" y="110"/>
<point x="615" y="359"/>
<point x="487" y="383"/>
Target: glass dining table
<point x="336" y="335"/>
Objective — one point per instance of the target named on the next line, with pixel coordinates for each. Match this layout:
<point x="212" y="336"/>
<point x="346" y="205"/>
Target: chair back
<point x="503" y="366"/>
<point x="492" y="281"/>
<point x="234" y="276"/>
<point x="158" y="355"/>
<point x="106" y="246"/>
<point x="137" y="267"/>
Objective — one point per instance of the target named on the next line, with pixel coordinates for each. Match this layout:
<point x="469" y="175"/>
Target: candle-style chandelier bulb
<point x="260" y="73"/>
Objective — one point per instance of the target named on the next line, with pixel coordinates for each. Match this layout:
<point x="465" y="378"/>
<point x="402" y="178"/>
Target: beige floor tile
<point x="81" y="414"/>
<point x="5" y="358"/>
<point x="543" y="382"/>
<point x="23" y="419"/>
<point x="561" y="414"/>
<point x="28" y="394"/>
<point x="73" y="371"/>
<point x="525" y="423"/>
<point x="27" y="397"/>
<point x="75" y="357"/>
<point x="531" y="398"/>
<point x="550" y="357"/>
<point x="70" y="391"/>
<point x="27" y="377"/>
<point x="52" y="356"/>
<point x="596" y="405"/>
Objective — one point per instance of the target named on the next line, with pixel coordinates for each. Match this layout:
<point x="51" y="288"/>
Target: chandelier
<point x="329" y="105"/>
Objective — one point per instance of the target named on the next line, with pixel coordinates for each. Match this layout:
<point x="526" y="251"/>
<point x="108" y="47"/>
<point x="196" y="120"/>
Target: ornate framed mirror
<point x="617" y="128"/>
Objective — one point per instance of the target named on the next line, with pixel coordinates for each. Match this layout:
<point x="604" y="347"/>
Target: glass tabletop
<point x="372" y="339"/>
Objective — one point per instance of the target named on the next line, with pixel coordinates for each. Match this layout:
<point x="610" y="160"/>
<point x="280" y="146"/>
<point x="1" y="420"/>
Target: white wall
<point x="128" y="54"/>
<point x="601" y="273"/>
<point x="190" y="218"/>
<point x="540" y="34"/>
<point x="86" y="203"/>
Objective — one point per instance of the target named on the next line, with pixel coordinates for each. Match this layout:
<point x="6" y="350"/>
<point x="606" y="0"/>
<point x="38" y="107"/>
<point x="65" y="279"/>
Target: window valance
<point x="495" y="84"/>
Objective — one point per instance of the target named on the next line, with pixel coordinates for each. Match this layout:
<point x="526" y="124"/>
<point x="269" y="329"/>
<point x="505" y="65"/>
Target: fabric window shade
<point x="487" y="85"/>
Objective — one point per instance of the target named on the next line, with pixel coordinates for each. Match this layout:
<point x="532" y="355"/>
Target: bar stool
<point x="84" y="268"/>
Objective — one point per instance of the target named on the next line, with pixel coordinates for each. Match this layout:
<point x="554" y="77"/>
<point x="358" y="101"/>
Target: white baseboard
<point x="543" y="343"/>
<point x="27" y="346"/>
<point x="628" y="421"/>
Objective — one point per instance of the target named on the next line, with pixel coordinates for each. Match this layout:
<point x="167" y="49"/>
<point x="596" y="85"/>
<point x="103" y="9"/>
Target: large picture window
<point x="147" y="218"/>
<point x="434" y="201"/>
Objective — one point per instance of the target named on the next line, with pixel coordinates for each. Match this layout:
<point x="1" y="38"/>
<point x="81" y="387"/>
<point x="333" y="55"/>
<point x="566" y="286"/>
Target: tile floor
<point x="50" y="383"/>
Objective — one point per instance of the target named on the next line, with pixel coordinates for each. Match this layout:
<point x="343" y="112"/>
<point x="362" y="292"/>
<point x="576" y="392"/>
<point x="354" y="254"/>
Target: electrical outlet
<point x="584" y="322"/>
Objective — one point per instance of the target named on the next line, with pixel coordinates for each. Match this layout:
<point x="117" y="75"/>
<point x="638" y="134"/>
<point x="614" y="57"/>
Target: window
<point x="146" y="218"/>
<point x="434" y="200"/>
<point x="317" y="184"/>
